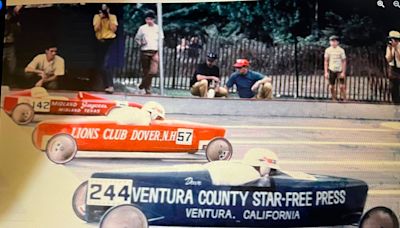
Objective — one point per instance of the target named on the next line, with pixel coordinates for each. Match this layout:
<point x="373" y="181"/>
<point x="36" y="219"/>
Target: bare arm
<point x="390" y="53"/>
<point x="266" y="79"/>
<point x="202" y="77"/>
<point x="30" y="69"/>
<point x="50" y="78"/>
<point x="96" y="22"/>
<point x="113" y="27"/>
<point x="326" y="65"/>
<point x="344" y="65"/>
<point x="113" y="23"/>
<point x="139" y="37"/>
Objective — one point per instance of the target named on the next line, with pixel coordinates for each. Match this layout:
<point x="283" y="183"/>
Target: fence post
<point x="296" y="65"/>
<point x="160" y="47"/>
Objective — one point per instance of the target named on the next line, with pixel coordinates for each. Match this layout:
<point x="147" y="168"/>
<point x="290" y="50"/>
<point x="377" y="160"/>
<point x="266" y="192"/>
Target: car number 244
<point x="109" y="192"/>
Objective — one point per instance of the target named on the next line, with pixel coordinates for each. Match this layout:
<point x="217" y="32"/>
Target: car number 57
<point x="109" y="192"/>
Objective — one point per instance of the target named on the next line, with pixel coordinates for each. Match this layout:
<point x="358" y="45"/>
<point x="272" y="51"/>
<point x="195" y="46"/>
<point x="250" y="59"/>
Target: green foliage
<point x="268" y="20"/>
<point x="271" y="21"/>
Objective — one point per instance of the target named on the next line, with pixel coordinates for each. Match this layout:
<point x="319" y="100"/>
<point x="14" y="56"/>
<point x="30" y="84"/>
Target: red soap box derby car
<point x="23" y="105"/>
<point x="61" y="139"/>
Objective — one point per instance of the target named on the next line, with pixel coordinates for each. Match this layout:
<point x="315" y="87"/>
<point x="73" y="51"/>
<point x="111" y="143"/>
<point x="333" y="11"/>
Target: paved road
<point x="366" y="150"/>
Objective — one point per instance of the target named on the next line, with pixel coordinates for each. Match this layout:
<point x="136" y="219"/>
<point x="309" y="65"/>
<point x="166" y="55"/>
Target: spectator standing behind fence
<point x="250" y="84"/>
<point x="335" y="67"/>
<point x="206" y="79"/>
<point x="105" y="26"/>
<point x="393" y="58"/>
<point x="194" y="47"/>
<point x="147" y="37"/>
<point x="11" y="28"/>
<point x="45" y="68"/>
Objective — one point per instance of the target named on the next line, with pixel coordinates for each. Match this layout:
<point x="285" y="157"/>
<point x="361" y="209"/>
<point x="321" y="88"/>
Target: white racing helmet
<point x="155" y="109"/>
<point x="39" y="92"/>
<point x="129" y="115"/>
<point x="262" y="158"/>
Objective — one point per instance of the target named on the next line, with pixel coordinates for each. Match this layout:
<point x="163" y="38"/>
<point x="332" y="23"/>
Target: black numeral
<point x="110" y="192"/>
<point x="93" y="194"/>
<point x="124" y="193"/>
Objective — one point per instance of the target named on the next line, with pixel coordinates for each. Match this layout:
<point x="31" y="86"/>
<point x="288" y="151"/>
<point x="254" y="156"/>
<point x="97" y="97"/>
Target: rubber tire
<point x="61" y="142"/>
<point x="22" y="114"/>
<point x="79" y="200"/>
<point x="379" y="217"/>
<point x="124" y="215"/>
<point x="211" y="151"/>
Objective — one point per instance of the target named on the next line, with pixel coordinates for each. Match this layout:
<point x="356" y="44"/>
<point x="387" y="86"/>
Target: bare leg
<point x="333" y="92"/>
<point x="203" y="88"/>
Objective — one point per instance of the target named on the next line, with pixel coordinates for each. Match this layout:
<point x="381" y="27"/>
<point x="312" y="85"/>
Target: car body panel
<point x="83" y="104"/>
<point x="189" y="198"/>
<point x="102" y="134"/>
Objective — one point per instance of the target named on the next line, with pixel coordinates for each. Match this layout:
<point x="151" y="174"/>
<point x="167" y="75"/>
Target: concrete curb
<point x="261" y="108"/>
<point x="274" y="108"/>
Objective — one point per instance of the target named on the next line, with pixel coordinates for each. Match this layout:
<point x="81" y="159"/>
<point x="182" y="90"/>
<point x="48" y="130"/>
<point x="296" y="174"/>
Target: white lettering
<point x="270" y="215"/>
<point x="331" y="197"/>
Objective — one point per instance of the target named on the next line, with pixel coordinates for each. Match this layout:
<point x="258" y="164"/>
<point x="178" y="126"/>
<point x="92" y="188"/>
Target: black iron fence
<point x="296" y="70"/>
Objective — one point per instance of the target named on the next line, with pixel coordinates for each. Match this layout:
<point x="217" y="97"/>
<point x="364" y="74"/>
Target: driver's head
<point x="156" y="110"/>
<point x="263" y="160"/>
<point x="39" y="92"/>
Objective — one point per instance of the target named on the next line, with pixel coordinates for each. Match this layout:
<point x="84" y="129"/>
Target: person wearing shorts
<point x="335" y="68"/>
<point x="206" y="79"/>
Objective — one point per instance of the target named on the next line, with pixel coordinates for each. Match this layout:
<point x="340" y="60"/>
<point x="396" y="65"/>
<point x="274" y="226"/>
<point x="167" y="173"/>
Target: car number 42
<point x="109" y="192"/>
<point x="41" y="105"/>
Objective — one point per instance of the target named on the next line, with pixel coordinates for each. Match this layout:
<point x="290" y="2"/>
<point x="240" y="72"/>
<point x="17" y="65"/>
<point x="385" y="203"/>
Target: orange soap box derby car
<point x="23" y="105"/>
<point x="61" y="139"/>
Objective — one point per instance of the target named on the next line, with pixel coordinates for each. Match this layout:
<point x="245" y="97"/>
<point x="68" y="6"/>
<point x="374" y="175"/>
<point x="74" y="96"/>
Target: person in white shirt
<point x="147" y="37"/>
<point x="393" y="58"/>
<point x="335" y="67"/>
<point x="48" y="67"/>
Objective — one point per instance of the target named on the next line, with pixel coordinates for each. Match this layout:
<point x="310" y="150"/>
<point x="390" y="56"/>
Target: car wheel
<point x="379" y="217"/>
<point x="126" y="215"/>
<point x="79" y="200"/>
<point x="61" y="148"/>
<point x="219" y="149"/>
<point x="23" y="114"/>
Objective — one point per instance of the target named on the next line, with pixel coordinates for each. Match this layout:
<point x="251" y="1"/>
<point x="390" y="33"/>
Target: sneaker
<point x="211" y="93"/>
<point x="109" y="90"/>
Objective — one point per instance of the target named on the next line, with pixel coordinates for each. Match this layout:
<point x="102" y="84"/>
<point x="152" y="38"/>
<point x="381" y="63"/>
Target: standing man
<point x="105" y="26"/>
<point x="393" y="58"/>
<point x="47" y="68"/>
<point x="335" y="67"/>
<point x="147" y="37"/>
<point x="11" y="29"/>
<point x="207" y="77"/>
<point x="250" y="84"/>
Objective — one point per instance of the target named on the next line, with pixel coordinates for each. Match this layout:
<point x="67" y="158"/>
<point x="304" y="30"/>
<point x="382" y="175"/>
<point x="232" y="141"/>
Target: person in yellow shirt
<point x="105" y="26"/>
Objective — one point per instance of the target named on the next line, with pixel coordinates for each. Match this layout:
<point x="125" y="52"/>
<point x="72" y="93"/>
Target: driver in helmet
<point x="156" y="110"/>
<point x="263" y="160"/>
